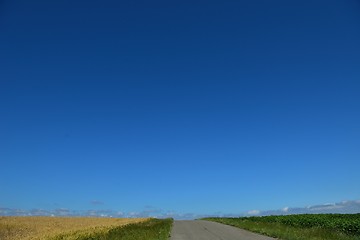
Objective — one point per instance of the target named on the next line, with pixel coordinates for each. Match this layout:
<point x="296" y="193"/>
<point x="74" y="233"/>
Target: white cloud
<point x="341" y="207"/>
<point x="254" y="212"/>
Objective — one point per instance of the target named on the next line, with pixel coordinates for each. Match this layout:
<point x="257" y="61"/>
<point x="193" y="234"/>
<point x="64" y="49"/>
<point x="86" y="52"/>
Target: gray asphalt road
<point x="205" y="230"/>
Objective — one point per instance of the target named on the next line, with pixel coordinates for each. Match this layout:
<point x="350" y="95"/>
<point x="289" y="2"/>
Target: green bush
<point x="301" y="226"/>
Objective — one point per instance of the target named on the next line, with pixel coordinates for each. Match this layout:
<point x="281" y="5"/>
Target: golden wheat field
<point x="36" y="228"/>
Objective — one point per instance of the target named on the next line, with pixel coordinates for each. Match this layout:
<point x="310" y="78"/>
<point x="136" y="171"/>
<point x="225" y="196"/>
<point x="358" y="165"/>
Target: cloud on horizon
<point x="341" y="207"/>
<point x="253" y="212"/>
<point x="150" y="211"/>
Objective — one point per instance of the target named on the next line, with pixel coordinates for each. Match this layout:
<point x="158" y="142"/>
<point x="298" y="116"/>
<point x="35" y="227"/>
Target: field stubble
<point x="36" y="228"/>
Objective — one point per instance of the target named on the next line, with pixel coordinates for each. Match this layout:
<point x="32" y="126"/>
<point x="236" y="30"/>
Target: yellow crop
<point x="36" y="228"/>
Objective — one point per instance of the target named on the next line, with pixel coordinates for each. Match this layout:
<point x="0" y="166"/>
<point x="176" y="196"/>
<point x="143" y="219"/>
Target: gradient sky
<point x="188" y="106"/>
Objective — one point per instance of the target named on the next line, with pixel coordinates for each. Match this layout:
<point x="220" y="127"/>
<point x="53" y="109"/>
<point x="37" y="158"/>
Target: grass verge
<point x="297" y="227"/>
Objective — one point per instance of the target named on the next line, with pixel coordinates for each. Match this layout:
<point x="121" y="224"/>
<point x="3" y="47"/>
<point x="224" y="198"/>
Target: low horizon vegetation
<point x="83" y="228"/>
<point x="300" y="226"/>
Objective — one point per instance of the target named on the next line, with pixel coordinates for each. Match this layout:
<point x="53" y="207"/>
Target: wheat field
<point x="36" y="228"/>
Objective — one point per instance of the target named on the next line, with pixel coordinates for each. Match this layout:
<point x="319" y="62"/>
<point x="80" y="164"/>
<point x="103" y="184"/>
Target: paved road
<point x="204" y="230"/>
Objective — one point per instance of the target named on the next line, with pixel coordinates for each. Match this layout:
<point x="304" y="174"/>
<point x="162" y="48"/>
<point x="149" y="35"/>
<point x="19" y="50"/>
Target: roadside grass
<point x="298" y="227"/>
<point x="152" y="229"/>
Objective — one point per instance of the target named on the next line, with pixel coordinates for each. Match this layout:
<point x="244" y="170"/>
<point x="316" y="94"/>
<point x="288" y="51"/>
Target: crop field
<point x="14" y="228"/>
<point x="152" y="229"/>
<point x="301" y="227"/>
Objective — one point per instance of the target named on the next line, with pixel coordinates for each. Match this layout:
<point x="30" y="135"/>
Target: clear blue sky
<point x="190" y="106"/>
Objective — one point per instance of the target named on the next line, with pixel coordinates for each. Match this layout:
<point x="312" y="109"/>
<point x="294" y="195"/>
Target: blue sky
<point x="188" y="106"/>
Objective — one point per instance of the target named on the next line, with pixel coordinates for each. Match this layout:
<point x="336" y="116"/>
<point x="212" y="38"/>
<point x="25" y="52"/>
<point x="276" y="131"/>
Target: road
<point x="205" y="230"/>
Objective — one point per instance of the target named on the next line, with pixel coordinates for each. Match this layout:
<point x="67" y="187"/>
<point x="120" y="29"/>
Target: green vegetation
<point x="301" y="227"/>
<point x="153" y="229"/>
